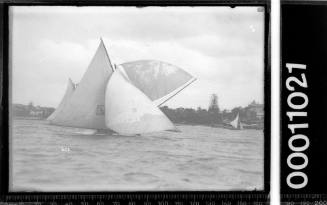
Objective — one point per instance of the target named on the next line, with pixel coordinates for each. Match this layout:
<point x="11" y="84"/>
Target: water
<point x="53" y="158"/>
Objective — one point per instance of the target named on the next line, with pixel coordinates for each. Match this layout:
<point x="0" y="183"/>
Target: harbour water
<point x="53" y="158"/>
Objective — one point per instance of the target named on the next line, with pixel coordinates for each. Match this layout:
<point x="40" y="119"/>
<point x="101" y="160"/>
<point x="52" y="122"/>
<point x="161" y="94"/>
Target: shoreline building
<point x="257" y="109"/>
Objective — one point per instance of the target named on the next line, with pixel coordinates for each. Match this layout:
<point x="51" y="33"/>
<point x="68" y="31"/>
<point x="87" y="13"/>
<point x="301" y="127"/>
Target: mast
<point x="106" y="51"/>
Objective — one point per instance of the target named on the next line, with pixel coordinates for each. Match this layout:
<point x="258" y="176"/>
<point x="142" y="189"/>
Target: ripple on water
<point x="55" y="158"/>
<point x="141" y="177"/>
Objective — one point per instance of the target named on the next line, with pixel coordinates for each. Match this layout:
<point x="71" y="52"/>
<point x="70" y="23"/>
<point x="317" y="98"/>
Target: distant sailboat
<point x="236" y="123"/>
<point x="124" y="99"/>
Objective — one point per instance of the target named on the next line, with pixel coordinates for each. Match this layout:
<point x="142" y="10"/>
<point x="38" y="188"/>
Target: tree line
<point x="211" y="116"/>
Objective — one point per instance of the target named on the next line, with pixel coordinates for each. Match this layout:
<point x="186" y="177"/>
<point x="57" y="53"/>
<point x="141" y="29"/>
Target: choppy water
<point x="52" y="158"/>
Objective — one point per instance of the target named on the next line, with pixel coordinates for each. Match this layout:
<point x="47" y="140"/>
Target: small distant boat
<point x="235" y="124"/>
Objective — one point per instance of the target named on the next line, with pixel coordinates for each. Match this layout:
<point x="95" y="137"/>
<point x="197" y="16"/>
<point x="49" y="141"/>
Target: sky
<point x="222" y="47"/>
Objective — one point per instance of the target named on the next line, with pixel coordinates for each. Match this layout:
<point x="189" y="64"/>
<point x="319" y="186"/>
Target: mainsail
<point x="236" y="123"/>
<point x="158" y="80"/>
<point x="85" y="107"/>
<point x="129" y="111"/>
<point x="69" y="91"/>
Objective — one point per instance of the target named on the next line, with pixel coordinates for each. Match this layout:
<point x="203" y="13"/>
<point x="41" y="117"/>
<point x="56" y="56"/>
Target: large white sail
<point x="158" y="80"/>
<point x="85" y="107"/>
<point x="69" y="91"/>
<point x="129" y="111"/>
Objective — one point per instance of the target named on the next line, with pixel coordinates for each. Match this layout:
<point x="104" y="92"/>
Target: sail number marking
<point x="296" y="103"/>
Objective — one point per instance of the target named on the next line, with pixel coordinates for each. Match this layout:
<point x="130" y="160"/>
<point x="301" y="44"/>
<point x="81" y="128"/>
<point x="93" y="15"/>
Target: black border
<point x="250" y="196"/>
<point x="316" y="189"/>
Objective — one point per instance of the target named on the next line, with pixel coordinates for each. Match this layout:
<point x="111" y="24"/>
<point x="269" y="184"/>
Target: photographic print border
<point x="261" y="195"/>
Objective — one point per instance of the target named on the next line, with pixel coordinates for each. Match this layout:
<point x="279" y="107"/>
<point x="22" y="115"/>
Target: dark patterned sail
<point x="158" y="80"/>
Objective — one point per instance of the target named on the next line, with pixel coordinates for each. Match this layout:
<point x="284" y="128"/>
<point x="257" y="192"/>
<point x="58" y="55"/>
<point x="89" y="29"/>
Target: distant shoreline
<point x="218" y="125"/>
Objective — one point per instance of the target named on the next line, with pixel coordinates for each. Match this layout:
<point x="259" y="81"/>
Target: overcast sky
<point x="222" y="47"/>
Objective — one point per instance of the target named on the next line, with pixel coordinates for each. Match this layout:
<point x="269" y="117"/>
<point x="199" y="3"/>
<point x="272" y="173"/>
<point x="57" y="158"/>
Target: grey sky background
<point x="220" y="46"/>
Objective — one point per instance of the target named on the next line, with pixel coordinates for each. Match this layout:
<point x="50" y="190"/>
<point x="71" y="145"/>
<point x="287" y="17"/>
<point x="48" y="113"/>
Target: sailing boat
<point x="125" y="99"/>
<point x="236" y="123"/>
